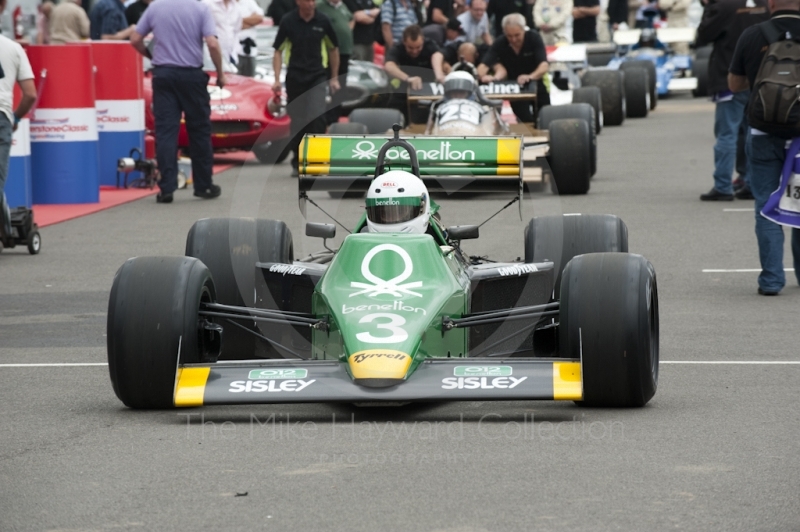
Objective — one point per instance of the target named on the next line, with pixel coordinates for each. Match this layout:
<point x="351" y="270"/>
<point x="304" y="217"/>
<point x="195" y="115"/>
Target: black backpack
<point x="774" y="106"/>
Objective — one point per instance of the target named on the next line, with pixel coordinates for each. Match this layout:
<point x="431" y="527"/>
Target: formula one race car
<point x="564" y="146"/>
<point x="398" y="316"/>
<point x="670" y="71"/>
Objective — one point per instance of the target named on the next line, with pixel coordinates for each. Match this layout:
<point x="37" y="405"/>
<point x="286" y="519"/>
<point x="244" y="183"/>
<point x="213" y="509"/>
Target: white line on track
<point x="750" y="270"/>
<point x="735" y="362"/>
<point x="54" y="365"/>
<point x="739" y="210"/>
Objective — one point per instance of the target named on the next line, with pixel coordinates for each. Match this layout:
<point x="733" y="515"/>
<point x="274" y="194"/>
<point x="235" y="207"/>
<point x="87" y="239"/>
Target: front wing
<point x="311" y="381"/>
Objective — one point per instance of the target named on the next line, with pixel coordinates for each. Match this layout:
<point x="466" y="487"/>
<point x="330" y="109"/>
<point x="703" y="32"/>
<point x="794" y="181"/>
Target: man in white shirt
<point x="228" y="19"/>
<point x="14" y="68"/>
<point x="252" y="15"/>
<point x="475" y="24"/>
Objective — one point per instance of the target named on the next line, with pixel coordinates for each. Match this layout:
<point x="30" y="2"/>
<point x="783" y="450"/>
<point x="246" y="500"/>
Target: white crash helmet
<point x="459" y="81"/>
<point x="398" y="202"/>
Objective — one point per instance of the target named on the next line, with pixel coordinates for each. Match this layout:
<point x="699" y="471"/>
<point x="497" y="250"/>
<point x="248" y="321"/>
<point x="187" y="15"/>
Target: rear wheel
<point x="348" y="128"/>
<point x="570" y="156"/>
<point x="609" y="319"/>
<point x="153" y="325"/>
<point x="651" y="77"/>
<point x="583" y="111"/>
<point x="377" y="120"/>
<point x="637" y="93"/>
<point x="599" y="59"/>
<point x="273" y="152"/>
<point x="230" y="247"/>
<point x="560" y="238"/>
<point x="612" y="90"/>
<point x="700" y="71"/>
<point x="593" y="97"/>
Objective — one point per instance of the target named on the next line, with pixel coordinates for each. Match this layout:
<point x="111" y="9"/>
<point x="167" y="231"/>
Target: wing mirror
<point x="462" y="232"/>
<point x="318" y="230"/>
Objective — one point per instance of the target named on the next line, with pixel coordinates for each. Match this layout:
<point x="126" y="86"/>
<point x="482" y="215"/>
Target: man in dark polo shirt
<point x="584" y="20"/>
<point x="766" y="153"/>
<point x="180" y="87"/>
<point x="366" y="15"/>
<point x="439" y="12"/>
<point x="518" y="55"/>
<point x="411" y="63"/>
<point x="310" y="45"/>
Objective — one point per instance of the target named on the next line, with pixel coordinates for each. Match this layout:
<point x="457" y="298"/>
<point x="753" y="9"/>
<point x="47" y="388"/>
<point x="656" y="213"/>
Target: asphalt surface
<point x="716" y="448"/>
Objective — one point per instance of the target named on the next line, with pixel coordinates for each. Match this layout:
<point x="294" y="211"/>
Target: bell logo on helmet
<point x="384" y="286"/>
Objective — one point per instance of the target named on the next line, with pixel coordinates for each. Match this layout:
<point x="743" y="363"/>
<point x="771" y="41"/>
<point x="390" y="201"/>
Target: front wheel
<point x="637" y="92"/>
<point x="609" y="319"/>
<point x="570" y="156"/>
<point x="612" y="88"/>
<point x="153" y="325"/>
<point x="593" y="97"/>
<point x="652" y="77"/>
<point x="585" y="111"/>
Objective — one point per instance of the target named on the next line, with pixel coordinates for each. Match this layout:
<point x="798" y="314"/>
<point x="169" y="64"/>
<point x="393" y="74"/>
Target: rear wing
<point x="445" y="164"/>
<point x="665" y="35"/>
<point x="497" y="90"/>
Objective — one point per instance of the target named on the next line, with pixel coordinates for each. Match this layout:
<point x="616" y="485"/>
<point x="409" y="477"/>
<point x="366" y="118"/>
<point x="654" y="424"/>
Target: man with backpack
<point x="723" y="23"/>
<point x="774" y="116"/>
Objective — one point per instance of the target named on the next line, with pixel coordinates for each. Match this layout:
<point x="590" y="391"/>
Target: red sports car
<point x="240" y="117"/>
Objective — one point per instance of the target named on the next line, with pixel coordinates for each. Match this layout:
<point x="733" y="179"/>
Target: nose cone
<point x="378" y="368"/>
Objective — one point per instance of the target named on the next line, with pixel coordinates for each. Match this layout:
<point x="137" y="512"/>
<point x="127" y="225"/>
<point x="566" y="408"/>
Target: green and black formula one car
<point x="388" y="317"/>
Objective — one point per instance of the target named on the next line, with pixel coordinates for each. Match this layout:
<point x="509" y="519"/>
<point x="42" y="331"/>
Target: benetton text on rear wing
<point x="479" y="164"/>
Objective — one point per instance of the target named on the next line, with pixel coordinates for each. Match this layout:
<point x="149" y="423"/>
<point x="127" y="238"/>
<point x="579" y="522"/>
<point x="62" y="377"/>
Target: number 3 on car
<point x="394" y="326"/>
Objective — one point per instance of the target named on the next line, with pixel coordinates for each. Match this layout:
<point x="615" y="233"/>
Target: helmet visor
<point x="393" y="210"/>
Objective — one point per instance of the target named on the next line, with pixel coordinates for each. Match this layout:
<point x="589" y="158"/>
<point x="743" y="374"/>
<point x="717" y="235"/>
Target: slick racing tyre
<point x="637" y="93"/>
<point x="570" y="156"/>
<point x="584" y="111"/>
<point x="273" y="152"/>
<point x="593" y="97"/>
<point x="230" y="247"/>
<point x="599" y="59"/>
<point x="608" y="318"/>
<point x="377" y="120"/>
<point x="700" y="71"/>
<point x="348" y="128"/>
<point x="560" y="238"/>
<point x="651" y="77"/>
<point x="704" y="52"/>
<point x="612" y="88"/>
<point x="153" y="324"/>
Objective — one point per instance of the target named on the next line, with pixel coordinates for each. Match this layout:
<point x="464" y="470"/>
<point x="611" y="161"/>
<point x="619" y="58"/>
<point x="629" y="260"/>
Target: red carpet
<point x="111" y="196"/>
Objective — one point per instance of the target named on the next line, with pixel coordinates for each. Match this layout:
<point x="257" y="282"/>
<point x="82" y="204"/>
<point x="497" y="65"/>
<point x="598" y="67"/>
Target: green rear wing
<point x="446" y="164"/>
